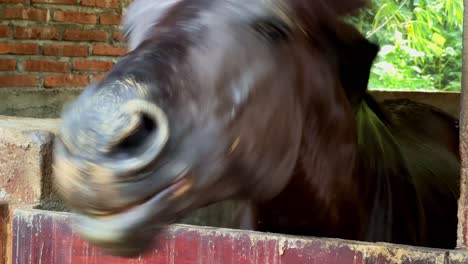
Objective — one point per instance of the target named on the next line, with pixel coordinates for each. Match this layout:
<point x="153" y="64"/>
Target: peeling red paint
<point x="48" y="237"/>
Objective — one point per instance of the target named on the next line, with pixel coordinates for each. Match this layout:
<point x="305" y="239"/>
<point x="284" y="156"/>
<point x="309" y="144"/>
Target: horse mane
<point x="403" y="182"/>
<point x="402" y="163"/>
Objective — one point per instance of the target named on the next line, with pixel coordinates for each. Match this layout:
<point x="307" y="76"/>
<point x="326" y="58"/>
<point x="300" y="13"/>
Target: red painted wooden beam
<point x="3" y="230"/>
<point x="48" y="237"/>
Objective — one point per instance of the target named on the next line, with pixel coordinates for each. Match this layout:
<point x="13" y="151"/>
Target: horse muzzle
<point x="122" y="194"/>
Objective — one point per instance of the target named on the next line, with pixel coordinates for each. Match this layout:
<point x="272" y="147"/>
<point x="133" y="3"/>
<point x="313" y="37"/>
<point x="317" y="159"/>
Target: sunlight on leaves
<point x="438" y="39"/>
<point x="421" y="43"/>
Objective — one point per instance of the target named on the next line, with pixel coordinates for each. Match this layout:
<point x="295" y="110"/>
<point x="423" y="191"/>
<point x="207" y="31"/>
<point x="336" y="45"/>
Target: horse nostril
<point x="137" y="139"/>
<point x="142" y="140"/>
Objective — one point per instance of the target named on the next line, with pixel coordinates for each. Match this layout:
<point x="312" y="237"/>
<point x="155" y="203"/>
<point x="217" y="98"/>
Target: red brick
<point x="25" y="14"/>
<point x="65" y="50"/>
<point x="84" y="35"/>
<point x="101" y="3"/>
<point x="45" y="66"/>
<point x="97" y="77"/>
<point x="18" y="48"/>
<point x="66" y="80"/>
<point x="62" y="2"/>
<point x="110" y="19"/>
<point x="75" y="17"/>
<point x="12" y="1"/>
<point x="92" y="65"/>
<point x="18" y="81"/>
<point x="7" y="64"/>
<point x="108" y="50"/>
<point x="35" y="33"/>
<point x="4" y="31"/>
<point x="117" y="36"/>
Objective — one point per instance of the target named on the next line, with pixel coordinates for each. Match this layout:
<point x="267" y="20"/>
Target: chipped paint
<point x="281" y="246"/>
<point x="3" y="194"/>
<point x="193" y="245"/>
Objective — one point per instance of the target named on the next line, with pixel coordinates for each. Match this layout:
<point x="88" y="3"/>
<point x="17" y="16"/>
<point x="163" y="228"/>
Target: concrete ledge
<point x="458" y="257"/>
<point x="26" y="160"/>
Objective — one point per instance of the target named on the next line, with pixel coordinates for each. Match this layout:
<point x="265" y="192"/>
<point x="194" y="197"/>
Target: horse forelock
<point x="143" y="17"/>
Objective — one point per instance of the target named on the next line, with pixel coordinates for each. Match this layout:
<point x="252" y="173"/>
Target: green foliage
<point x="421" y="43"/>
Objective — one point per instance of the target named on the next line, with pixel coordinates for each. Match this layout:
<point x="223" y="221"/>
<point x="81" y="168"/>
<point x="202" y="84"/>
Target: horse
<point x="258" y="101"/>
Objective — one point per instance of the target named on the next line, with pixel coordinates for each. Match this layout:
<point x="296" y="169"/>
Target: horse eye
<point x="272" y="29"/>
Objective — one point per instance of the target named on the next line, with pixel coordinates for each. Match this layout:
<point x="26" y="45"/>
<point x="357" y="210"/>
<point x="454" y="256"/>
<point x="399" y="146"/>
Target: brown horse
<point x="264" y="101"/>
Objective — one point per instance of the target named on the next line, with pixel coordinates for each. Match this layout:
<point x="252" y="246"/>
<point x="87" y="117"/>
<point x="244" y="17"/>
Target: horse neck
<point x="326" y="175"/>
<point x="322" y="191"/>
<point x="329" y="133"/>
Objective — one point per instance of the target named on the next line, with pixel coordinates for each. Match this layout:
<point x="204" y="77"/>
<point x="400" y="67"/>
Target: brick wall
<point x="58" y="43"/>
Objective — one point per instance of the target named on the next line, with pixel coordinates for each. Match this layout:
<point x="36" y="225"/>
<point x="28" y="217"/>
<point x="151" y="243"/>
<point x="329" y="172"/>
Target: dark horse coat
<point x="405" y="174"/>
<point x="263" y="101"/>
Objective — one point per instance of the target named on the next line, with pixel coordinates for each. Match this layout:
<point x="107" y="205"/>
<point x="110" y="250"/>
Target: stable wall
<point x="48" y="44"/>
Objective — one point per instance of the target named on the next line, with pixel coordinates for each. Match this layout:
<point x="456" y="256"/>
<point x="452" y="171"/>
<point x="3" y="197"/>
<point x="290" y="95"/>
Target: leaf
<point x="416" y="69"/>
<point x="438" y="39"/>
<point x="413" y="52"/>
<point x="387" y="67"/>
<point x="450" y="51"/>
<point x="420" y="43"/>
<point x="398" y="37"/>
<point x="386" y="50"/>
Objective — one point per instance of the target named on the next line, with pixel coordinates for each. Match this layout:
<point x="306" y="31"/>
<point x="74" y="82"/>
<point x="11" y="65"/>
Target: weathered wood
<point x="462" y="241"/>
<point x="447" y="101"/>
<point x="3" y="231"/>
<point x="48" y="237"/>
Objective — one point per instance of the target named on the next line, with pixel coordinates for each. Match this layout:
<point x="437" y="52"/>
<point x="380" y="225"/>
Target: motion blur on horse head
<point x="258" y="100"/>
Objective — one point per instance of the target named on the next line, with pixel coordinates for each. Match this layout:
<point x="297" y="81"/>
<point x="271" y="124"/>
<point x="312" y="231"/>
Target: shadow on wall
<point x="48" y="103"/>
<point x="35" y="103"/>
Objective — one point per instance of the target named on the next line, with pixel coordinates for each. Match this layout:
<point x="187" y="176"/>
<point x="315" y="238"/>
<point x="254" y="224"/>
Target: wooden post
<point x="4" y="242"/>
<point x="463" y="202"/>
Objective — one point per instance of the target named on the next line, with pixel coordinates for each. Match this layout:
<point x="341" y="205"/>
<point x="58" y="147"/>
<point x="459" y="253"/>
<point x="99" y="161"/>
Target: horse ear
<point x="346" y="7"/>
<point x="356" y="55"/>
<point x="314" y="15"/>
<point x="140" y="16"/>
